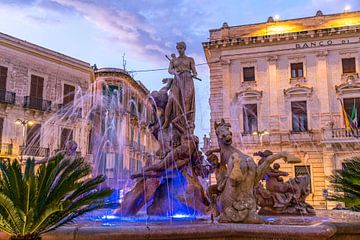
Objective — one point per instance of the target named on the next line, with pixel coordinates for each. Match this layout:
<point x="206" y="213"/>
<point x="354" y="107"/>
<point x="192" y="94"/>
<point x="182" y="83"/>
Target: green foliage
<point x="33" y="202"/>
<point x="346" y="184"/>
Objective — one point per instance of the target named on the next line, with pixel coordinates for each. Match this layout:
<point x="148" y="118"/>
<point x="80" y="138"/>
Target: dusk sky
<point x="102" y="31"/>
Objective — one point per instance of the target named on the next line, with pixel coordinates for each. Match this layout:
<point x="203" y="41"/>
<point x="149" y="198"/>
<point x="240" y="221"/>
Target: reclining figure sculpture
<point x="281" y="197"/>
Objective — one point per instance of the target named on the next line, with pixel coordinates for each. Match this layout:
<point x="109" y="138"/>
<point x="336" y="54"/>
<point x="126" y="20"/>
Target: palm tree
<point x="35" y="202"/>
<point x="346" y="184"/>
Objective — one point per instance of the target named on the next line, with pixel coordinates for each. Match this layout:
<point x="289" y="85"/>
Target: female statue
<point x="182" y="93"/>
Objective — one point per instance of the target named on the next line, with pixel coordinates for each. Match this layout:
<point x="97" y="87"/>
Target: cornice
<point x="43" y="53"/>
<point x="293" y="37"/>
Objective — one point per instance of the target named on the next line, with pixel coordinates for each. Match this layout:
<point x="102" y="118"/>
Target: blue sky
<point x="102" y="31"/>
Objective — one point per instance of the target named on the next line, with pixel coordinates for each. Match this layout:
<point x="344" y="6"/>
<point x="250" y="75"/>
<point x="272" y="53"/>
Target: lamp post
<point x="260" y="134"/>
<point x="24" y="123"/>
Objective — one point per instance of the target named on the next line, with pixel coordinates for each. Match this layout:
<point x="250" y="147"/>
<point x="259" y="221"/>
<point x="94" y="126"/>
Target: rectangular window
<point x="348" y="65"/>
<point x="132" y="106"/>
<point x="297" y="70"/>
<point x="299" y="116"/>
<point x="33" y="135"/>
<point x="303" y="170"/>
<point x="3" y="77"/>
<point x="249" y="74"/>
<point x="132" y="165"/>
<point x="132" y="133"/>
<point x="352" y="109"/>
<point x="250" y="118"/>
<point x="66" y="135"/>
<point x="68" y="94"/>
<point x="90" y="142"/>
<point x="37" y="86"/>
<point x="139" y="165"/>
<point x="1" y="129"/>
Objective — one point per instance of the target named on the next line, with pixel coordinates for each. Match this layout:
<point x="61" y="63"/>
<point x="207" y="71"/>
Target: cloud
<point x="145" y="31"/>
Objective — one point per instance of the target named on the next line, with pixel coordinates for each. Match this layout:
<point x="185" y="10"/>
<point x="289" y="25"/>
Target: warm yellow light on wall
<point x="342" y="22"/>
<point x="278" y="29"/>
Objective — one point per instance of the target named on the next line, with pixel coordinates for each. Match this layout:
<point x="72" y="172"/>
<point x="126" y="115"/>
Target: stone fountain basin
<point x="312" y="228"/>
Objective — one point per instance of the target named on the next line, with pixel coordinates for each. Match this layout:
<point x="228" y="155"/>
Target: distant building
<point x="47" y="98"/>
<point x="120" y="124"/>
<point x="280" y="84"/>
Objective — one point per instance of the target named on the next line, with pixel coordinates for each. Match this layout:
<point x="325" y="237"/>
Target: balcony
<point x="7" y="97"/>
<point x="69" y="111"/>
<point x="6" y="149"/>
<point x="341" y="135"/>
<point x="34" y="151"/>
<point x="77" y="153"/>
<point x="37" y="104"/>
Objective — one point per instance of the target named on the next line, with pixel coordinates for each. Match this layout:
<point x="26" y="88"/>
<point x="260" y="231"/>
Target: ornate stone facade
<point x="37" y="83"/>
<point x="33" y="81"/>
<point x="280" y="84"/>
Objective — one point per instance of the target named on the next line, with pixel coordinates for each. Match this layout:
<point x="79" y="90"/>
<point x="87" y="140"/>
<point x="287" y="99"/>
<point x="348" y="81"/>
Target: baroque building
<point x="35" y="84"/>
<point x="120" y="124"/>
<point x="48" y="98"/>
<point x="283" y="86"/>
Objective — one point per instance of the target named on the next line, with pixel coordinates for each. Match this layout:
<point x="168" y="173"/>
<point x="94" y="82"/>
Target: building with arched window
<point x="283" y="86"/>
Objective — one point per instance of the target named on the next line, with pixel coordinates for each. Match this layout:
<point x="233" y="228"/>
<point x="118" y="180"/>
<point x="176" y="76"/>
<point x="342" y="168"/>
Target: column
<point x="274" y="90"/>
<point x="322" y="87"/>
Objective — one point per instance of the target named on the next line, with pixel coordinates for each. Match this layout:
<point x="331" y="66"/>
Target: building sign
<point x="324" y="43"/>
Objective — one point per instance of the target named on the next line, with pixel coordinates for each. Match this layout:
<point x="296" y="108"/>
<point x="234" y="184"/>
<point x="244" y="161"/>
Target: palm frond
<point x="32" y="203"/>
<point x="346" y="184"/>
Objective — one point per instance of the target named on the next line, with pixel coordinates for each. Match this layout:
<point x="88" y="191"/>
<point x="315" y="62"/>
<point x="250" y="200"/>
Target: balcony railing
<point x="77" y="153"/>
<point x="34" y="151"/>
<point x="6" y="149"/>
<point x="342" y="134"/>
<point x="7" y="97"/>
<point x="37" y="103"/>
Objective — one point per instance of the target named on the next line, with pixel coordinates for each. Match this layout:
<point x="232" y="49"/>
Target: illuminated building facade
<point x="35" y="83"/>
<point x="281" y="84"/>
<point x="126" y="144"/>
<point x="39" y="86"/>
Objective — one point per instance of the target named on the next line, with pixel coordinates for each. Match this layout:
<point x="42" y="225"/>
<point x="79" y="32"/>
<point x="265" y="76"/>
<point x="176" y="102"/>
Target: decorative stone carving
<point x="281" y="197"/>
<point x="298" y="91"/>
<point x="237" y="173"/>
<point x="179" y="161"/>
<point x="249" y="94"/>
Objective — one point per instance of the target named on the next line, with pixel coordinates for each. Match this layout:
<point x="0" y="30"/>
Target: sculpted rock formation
<point x="171" y="185"/>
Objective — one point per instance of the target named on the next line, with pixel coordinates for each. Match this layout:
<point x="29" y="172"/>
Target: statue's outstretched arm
<point x="267" y="162"/>
<point x="171" y="68"/>
<point x="193" y="68"/>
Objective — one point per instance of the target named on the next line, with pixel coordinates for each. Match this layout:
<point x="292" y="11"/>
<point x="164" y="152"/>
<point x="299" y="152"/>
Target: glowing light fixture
<point x="277" y="17"/>
<point x="347" y="8"/>
<point x="18" y="122"/>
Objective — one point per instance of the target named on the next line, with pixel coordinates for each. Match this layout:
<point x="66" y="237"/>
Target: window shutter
<point x="3" y="77"/>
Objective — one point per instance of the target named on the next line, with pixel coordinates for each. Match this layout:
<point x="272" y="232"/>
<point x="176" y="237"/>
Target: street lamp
<point x="24" y="123"/>
<point x="260" y="134"/>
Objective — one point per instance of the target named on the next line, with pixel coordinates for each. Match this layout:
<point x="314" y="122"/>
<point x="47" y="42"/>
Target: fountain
<point x="167" y="199"/>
